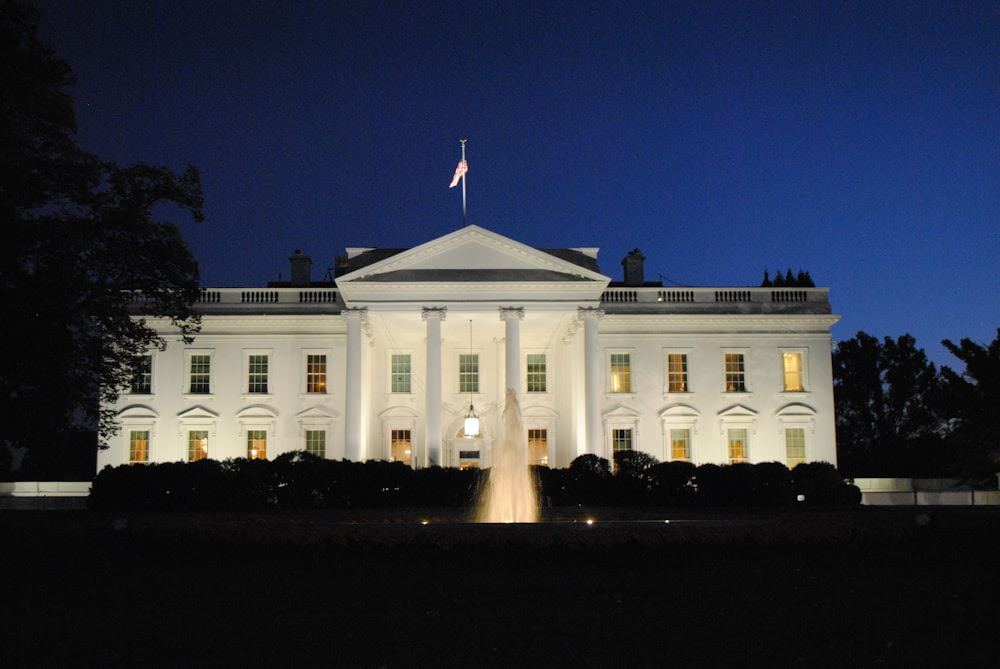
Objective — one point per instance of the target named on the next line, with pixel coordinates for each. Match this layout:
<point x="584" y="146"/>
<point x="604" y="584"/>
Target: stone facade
<point x="385" y="361"/>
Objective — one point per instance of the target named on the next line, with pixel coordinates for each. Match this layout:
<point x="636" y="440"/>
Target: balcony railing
<point x="692" y="299"/>
<point x="220" y="299"/>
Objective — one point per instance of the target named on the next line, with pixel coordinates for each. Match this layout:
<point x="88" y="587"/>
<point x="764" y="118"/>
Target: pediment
<point x="680" y="410"/>
<point x="197" y="412"/>
<point x="256" y="411"/>
<point x="620" y="412"/>
<point x="796" y="409"/>
<point x="138" y="411"/>
<point x="473" y="260"/>
<point x="316" y="412"/>
<point x="737" y="411"/>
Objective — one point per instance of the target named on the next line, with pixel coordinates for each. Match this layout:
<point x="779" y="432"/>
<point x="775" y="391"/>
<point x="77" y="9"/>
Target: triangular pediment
<point x="474" y="262"/>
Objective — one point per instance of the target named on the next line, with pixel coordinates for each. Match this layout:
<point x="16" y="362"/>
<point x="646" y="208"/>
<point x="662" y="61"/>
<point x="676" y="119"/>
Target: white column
<point x="353" y="395"/>
<point x="592" y="379"/>
<point x="512" y="317"/>
<point x="432" y="402"/>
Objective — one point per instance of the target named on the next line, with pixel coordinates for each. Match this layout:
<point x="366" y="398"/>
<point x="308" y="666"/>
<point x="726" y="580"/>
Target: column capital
<point x="589" y="312"/>
<point x="434" y="312"/>
<point x="508" y="312"/>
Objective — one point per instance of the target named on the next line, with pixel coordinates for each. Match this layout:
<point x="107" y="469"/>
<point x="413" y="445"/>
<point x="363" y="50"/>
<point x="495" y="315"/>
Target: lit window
<point x="138" y="447"/>
<point x="401" y="447"/>
<point x="538" y="447"/>
<point x="197" y="445"/>
<point x="468" y="373"/>
<point x="201" y="373"/>
<point x="737" y="445"/>
<point x="621" y="373"/>
<point x="142" y="375"/>
<point x="257" y="444"/>
<point x="795" y="446"/>
<point x="677" y="373"/>
<point x="680" y="444"/>
<point x="736" y="381"/>
<point x="257" y="378"/>
<point x="316" y="442"/>
<point x="401" y="373"/>
<point x="315" y="373"/>
<point x="792" y="364"/>
<point x="536" y="373"/>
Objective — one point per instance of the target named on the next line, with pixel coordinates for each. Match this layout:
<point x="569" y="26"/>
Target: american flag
<point x="460" y="171"/>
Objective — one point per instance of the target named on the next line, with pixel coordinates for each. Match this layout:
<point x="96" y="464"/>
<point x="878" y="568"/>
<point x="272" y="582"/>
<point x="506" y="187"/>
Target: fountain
<point x="509" y="494"/>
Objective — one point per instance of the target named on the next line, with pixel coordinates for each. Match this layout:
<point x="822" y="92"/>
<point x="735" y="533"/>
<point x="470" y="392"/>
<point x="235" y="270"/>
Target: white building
<point x="385" y="361"/>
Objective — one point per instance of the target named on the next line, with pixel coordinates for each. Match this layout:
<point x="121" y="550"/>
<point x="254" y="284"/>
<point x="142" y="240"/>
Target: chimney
<point x="633" y="268"/>
<point x="301" y="269"/>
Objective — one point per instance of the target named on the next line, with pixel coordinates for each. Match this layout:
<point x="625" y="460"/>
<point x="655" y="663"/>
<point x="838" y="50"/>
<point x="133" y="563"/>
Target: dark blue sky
<point x="857" y="140"/>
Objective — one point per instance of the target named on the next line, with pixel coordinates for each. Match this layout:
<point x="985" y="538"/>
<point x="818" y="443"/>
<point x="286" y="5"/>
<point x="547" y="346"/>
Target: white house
<point x="385" y="362"/>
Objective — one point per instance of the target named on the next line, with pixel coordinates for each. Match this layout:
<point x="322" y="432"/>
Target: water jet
<point x="509" y="494"/>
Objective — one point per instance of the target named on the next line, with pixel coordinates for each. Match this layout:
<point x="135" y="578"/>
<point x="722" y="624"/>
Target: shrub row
<point x="302" y="481"/>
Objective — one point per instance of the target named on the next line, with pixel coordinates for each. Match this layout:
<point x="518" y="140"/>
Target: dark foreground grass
<point x="859" y="587"/>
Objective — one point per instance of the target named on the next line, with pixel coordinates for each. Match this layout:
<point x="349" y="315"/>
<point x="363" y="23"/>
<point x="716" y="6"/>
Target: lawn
<point x="855" y="587"/>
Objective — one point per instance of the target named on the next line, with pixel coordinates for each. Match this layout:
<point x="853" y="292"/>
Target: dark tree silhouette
<point x="80" y="233"/>
<point x="970" y="400"/>
<point x="884" y="394"/>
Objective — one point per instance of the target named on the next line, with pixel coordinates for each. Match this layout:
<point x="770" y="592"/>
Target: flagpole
<point x="464" y="219"/>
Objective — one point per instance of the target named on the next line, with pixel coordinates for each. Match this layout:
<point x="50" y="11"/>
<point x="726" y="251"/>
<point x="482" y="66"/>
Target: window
<point x="680" y="444"/>
<point x="315" y="373"/>
<point x="200" y="374"/>
<point x="795" y="446"/>
<point x="737" y="445"/>
<point x="257" y="375"/>
<point x="536" y="373"/>
<point x="316" y="442"/>
<point x="792" y="372"/>
<point x="142" y="375"/>
<point x="257" y="444"/>
<point x="677" y="373"/>
<point x="621" y="439"/>
<point x="197" y="445"/>
<point x="621" y="373"/>
<point x="736" y="381"/>
<point x="538" y="447"/>
<point x="468" y="373"/>
<point x="138" y="447"/>
<point x="401" y="447"/>
<point x="401" y="373"/>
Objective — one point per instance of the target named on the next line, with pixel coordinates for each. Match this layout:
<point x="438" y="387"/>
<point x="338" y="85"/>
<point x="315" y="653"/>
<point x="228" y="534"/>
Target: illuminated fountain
<point x="509" y="494"/>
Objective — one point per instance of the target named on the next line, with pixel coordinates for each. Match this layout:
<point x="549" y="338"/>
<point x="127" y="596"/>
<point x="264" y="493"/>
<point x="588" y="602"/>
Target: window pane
<point x="197" y="445"/>
<point x="138" y="447"/>
<point x="468" y="373"/>
<point x="315" y="373"/>
<point x="200" y="373"/>
<point x="142" y="375"/>
<point x="401" y="373"/>
<point x="316" y="442"/>
<point x="536" y="373"/>
<point x="680" y="444"/>
<point x="795" y="446"/>
<point x="400" y="447"/>
<point x="677" y="373"/>
<point x="257" y="382"/>
<point x="538" y="447"/>
<point x="621" y="439"/>
<point x="621" y="373"/>
<point x="792" y="363"/>
<point x="257" y="444"/>
<point x="737" y="445"/>
<point x="735" y="373"/>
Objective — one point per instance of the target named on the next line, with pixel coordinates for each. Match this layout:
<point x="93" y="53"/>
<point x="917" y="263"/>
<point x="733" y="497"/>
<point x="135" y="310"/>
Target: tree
<point x="885" y="395"/>
<point x="81" y="234"/>
<point x="970" y="402"/>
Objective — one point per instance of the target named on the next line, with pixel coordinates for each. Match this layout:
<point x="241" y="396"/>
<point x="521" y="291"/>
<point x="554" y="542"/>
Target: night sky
<point x="857" y="140"/>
